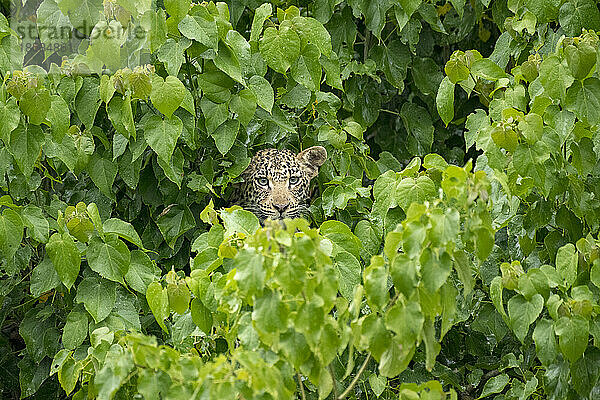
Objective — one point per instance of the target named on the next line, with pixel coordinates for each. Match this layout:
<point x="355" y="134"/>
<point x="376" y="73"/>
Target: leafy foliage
<point x="453" y="244"/>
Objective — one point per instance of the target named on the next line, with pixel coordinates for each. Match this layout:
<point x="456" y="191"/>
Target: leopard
<point x="276" y="183"/>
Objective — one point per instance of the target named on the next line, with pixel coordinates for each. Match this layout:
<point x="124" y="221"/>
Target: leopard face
<point x="277" y="182"/>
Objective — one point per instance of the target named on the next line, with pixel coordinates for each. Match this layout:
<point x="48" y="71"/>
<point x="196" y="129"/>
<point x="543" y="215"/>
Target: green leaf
<point x="103" y="173"/>
<point x="406" y="320"/>
<point x="280" y="48"/>
<point x="179" y="297"/>
<point x="581" y="59"/>
<point x="201" y="28"/>
<point x="573" y="334"/>
<point x="584" y="100"/>
<point x="307" y="68"/>
<point x="9" y="118"/>
<point x="124" y="230"/>
<point x="142" y="271"/>
<point x="418" y="124"/>
<point x="43" y="278"/>
<point x="167" y="95"/>
<point x="11" y="234"/>
<point x="445" y="100"/>
<point x="201" y="316"/>
<point x="162" y="134"/>
<point x="68" y="374"/>
<point x="263" y="91"/>
<point x="250" y="273"/>
<point x="158" y="300"/>
<point x="575" y="15"/>
<point x="228" y="62"/>
<point x="435" y="269"/>
<point x="495" y="385"/>
<point x="239" y="221"/>
<point x="348" y="271"/>
<point x="528" y="161"/>
<point x="261" y="14"/>
<point x="172" y="54"/>
<point x="82" y="13"/>
<point x="173" y="224"/>
<point x="270" y="313"/>
<point x="313" y="32"/>
<point x="177" y="8"/>
<point x="341" y="236"/>
<point x="566" y="263"/>
<point x="25" y="146"/>
<point x="554" y="77"/>
<point x="225" y="135"/>
<point x="243" y="105"/>
<point x="375" y="282"/>
<point x="487" y="69"/>
<point x="65" y="257"/>
<point x="76" y="328"/>
<point x="545" y="342"/>
<point x="98" y="296"/>
<point x="544" y="10"/>
<point x="35" y="104"/>
<point x="37" y="225"/>
<point x="110" y="259"/>
<point x="411" y="190"/>
<point x="87" y="101"/>
<point x="523" y="312"/>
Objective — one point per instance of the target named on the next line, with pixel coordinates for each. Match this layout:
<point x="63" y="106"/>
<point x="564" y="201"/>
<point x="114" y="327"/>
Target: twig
<point x="301" y="386"/>
<point x="356" y="378"/>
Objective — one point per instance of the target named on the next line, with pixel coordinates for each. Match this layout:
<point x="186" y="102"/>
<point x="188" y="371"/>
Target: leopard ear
<point x="312" y="158"/>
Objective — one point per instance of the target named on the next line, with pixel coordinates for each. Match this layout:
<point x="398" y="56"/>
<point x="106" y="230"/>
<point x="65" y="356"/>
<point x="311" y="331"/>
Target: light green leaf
<point x="566" y="263"/>
<point x="260" y="16"/>
<point x="201" y="28"/>
<point x="263" y="91"/>
<point x="523" y="312"/>
<point x="584" y="100"/>
<point x="167" y="94"/>
<point x="573" y="334"/>
<point x="158" y="300"/>
<point x="65" y="257"/>
<point x="36" y="223"/>
<point x="201" y="316"/>
<point x="445" y="100"/>
<point x="11" y="234"/>
<point x="239" y="221"/>
<point x="495" y="385"/>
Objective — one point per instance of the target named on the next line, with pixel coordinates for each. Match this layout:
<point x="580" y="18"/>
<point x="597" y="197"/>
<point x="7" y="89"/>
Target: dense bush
<point x="453" y="245"/>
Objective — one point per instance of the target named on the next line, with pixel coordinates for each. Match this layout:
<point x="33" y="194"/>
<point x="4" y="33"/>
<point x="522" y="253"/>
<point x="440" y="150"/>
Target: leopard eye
<point x="294" y="180"/>
<point x="262" y="181"/>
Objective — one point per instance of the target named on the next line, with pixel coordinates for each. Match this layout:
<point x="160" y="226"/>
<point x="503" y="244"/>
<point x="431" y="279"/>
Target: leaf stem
<point x="335" y="392"/>
<point x="356" y="378"/>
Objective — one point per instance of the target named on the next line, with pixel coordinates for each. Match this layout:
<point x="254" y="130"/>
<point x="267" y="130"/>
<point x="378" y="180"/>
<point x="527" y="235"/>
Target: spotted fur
<point x="277" y="182"/>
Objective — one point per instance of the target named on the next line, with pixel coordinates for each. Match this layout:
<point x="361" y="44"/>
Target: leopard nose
<point x="281" y="207"/>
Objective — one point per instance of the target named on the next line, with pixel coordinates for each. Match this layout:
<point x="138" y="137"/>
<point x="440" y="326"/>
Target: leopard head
<point x="277" y="182"/>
